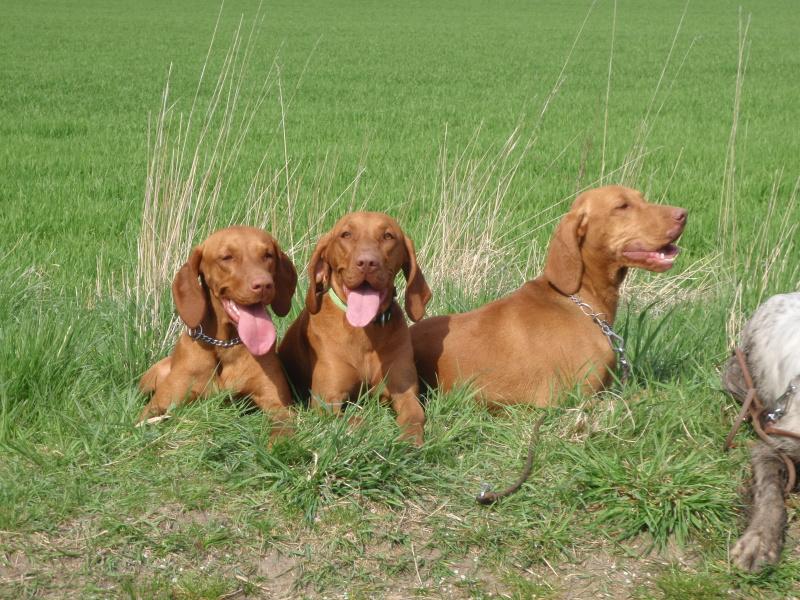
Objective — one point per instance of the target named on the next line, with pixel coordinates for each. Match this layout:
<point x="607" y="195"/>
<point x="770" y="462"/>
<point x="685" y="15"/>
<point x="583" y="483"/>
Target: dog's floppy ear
<point x="190" y="297"/>
<point x="564" y="265"/>
<point x="285" y="283"/>
<point x="418" y="294"/>
<point x="319" y="275"/>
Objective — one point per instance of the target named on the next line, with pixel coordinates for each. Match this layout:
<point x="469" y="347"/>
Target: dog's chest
<point x="369" y="360"/>
<point x="369" y="368"/>
<point x="367" y="352"/>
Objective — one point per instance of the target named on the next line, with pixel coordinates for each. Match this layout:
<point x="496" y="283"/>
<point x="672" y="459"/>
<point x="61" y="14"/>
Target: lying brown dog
<point x="352" y="332"/>
<point x="220" y="294"/>
<point x="536" y="342"/>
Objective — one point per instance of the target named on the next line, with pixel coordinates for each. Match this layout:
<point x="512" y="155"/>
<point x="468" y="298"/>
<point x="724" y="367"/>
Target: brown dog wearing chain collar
<point x="352" y="332"/>
<point x="537" y="342"/>
<point x="222" y="294"/>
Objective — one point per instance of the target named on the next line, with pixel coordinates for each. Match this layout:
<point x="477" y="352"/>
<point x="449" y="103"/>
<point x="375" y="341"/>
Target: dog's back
<point x="771" y="340"/>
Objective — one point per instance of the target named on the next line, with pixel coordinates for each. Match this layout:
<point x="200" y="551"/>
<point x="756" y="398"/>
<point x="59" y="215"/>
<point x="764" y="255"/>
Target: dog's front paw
<point x="756" y="549"/>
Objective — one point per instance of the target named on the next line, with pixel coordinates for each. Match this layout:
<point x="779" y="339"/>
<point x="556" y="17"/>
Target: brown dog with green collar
<point x="352" y="332"/>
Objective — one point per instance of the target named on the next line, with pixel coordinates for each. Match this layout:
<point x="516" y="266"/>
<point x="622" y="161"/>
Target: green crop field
<point x="128" y="131"/>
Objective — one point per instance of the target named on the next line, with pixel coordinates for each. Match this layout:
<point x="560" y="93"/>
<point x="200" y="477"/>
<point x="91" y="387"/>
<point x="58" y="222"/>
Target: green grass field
<point x="475" y="124"/>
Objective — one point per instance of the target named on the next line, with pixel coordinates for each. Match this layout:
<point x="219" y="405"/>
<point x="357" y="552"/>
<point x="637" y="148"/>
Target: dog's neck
<point x="216" y="322"/>
<point x="600" y="288"/>
<point x="332" y="299"/>
<point x="337" y="287"/>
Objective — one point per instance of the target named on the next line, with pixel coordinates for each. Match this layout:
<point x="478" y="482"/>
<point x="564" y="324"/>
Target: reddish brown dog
<point x="352" y="331"/>
<point x="221" y="293"/>
<point x="536" y="342"/>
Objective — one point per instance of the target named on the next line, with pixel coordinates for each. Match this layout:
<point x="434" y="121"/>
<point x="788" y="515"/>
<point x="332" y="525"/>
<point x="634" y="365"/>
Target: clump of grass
<point x="189" y="156"/>
<point x="328" y="458"/>
<point x="41" y="359"/>
<point x="657" y="293"/>
<point x="633" y="477"/>
<point x="473" y="225"/>
<point x="667" y="493"/>
<point x="455" y="423"/>
<point x="678" y="584"/>
<point x="768" y="265"/>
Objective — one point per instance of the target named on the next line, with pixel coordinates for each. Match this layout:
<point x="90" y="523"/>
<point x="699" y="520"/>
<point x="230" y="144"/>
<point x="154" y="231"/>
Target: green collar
<point x="381" y="319"/>
<point x="336" y="300"/>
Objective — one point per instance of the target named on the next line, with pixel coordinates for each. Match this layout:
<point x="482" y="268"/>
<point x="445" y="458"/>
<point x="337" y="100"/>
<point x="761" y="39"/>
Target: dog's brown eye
<point x="226" y="257"/>
<point x="345" y="235"/>
<point x="268" y="255"/>
<point x="623" y="206"/>
<point x="388" y="236"/>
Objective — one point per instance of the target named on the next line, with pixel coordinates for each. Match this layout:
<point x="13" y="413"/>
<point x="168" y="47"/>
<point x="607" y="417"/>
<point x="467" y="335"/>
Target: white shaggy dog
<point x="771" y="344"/>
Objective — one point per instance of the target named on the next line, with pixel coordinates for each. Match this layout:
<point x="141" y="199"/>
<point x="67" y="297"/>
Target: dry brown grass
<point x="191" y="156"/>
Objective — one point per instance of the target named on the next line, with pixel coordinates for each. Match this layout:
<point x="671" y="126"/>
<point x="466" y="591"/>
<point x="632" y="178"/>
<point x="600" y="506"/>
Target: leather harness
<point x="753" y="408"/>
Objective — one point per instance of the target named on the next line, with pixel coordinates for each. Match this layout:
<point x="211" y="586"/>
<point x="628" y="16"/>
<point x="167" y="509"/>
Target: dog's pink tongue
<point x="362" y="306"/>
<point x="256" y="329"/>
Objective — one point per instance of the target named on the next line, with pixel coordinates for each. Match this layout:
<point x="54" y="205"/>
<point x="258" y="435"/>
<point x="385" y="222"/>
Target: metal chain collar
<point x="197" y="334"/>
<point x="782" y="404"/>
<point x="615" y="340"/>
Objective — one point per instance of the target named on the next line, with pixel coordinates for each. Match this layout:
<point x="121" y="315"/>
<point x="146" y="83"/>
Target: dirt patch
<point x="395" y="555"/>
<point x="277" y="573"/>
<point x="606" y="573"/>
<point x="14" y="567"/>
<point x="40" y="563"/>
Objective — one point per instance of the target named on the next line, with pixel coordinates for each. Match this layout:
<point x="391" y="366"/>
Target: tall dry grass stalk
<point x="770" y="263"/>
<point x="191" y="159"/>
<point x="188" y="158"/>
<point x="726" y="231"/>
<point x="468" y="232"/>
<point x="766" y="263"/>
<point x="608" y="90"/>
